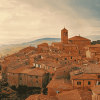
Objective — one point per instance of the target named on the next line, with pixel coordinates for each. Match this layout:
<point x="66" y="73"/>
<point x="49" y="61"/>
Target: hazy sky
<point x="26" y="20"/>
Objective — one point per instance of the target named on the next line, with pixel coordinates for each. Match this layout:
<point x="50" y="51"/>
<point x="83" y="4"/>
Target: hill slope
<point x="13" y="48"/>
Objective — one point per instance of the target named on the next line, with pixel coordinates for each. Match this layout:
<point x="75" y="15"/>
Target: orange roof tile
<point x="41" y="97"/>
<point x="69" y="95"/>
<point x="60" y="83"/>
<point x="84" y="76"/>
<point x="96" y="89"/>
<point x="20" y="69"/>
<point x="34" y="71"/>
<point x="78" y="38"/>
<point x="91" y="68"/>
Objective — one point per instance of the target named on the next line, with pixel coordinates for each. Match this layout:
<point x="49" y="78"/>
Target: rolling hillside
<point x="13" y="48"/>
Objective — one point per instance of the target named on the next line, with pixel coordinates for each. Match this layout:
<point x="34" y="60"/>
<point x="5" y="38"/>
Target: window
<point x="65" y="58"/>
<point x="98" y="76"/>
<point x="44" y="67"/>
<point x="66" y="33"/>
<point x="25" y="63"/>
<point x="37" y="81"/>
<point x="98" y="83"/>
<point x="48" y="67"/>
<point x="78" y="83"/>
<point x="71" y="57"/>
<point x="38" y="65"/>
<point x="55" y="50"/>
<point x="57" y="59"/>
<point x="53" y="69"/>
<point x="52" y="74"/>
<point x="36" y="76"/>
<point x="50" y="79"/>
<point x="89" y="83"/>
<point x="30" y="76"/>
<point x="13" y="73"/>
<point x="20" y="78"/>
<point x="57" y="92"/>
<point x="0" y="67"/>
<point x="30" y="80"/>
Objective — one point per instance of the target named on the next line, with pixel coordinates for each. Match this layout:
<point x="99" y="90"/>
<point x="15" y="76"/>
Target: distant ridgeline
<point x="95" y="42"/>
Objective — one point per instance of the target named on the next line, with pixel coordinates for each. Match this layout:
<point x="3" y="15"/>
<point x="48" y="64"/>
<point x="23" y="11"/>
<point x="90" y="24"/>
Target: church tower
<point x="64" y="36"/>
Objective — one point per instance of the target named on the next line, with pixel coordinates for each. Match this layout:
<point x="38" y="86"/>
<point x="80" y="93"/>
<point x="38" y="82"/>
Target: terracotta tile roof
<point x="84" y="76"/>
<point x="60" y="83"/>
<point x="34" y="71"/>
<point x="41" y="97"/>
<point x="78" y="38"/>
<point x="20" y="69"/>
<point x="53" y="64"/>
<point x="69" y="95"/>
<point x="70" y="45"/>
<point x="67" y="55"/>
<point x="85" y="94"/>
<point x="91" y="68"/>
<point x="96" y="89"/>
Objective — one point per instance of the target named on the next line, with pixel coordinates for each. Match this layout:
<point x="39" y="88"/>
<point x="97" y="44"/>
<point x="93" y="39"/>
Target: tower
<point x="64" y="36"/>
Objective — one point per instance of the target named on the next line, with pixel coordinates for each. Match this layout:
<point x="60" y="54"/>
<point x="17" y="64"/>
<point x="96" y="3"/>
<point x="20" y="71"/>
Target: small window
<point x="48" y="67"/>
<point x="38" y="65"/>
<point x="30" y="80"/>
<point x="57" y="92"/>
<point x="50" y="79"/>
<point x="19" y="73"/>
<point x="25" y="63"/>
<point x="52" y="74"/>
<point x="78" y="83"/>
<point x="66" y="33"/>
<point x="30" y="76"/>
<point x="65" y="58"/>
<point x="57" y="59"/>
<point x="13" y="73"/>
<point x="98" y="76"/>
<point x="63" y="49"/>
<point x="20" y="78"/>
<point x="98" y="83"/>
<point x="89" y="83"/>
<point x="36" y="76"/>
<point x="53" y="69"/>
<point x="55" y="50"/>
<point x="37" y="81"/>
<point x="71" y="57"/>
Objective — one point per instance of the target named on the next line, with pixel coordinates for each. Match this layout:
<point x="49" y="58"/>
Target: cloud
<point x="25" y="19"/>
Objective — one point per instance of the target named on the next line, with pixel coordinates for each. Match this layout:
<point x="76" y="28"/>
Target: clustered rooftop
<point x="70" y="69"/>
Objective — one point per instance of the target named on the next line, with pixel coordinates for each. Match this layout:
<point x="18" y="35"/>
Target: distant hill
<point x="13" y="48"/>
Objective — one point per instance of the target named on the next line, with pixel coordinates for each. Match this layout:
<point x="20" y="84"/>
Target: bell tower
<point x="64" y="36"/>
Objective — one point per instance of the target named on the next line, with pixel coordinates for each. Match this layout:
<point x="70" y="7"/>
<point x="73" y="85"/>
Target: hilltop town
<point x="66" y="70"/>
